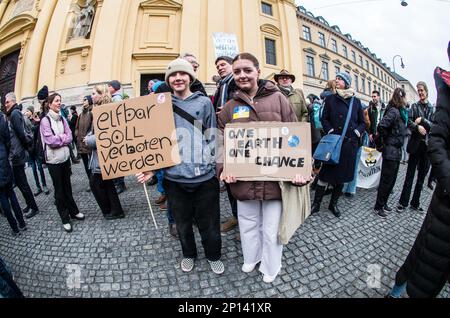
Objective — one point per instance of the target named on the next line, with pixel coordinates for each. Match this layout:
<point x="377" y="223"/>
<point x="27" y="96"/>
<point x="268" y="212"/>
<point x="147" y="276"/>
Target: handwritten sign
<point x="135" y="135"/>
<point x="226" y="44"/>
<point x="267" y="151"/>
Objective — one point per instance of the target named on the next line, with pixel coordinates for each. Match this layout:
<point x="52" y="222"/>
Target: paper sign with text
<point x="267" y="151"/>
<point x="135" y="135"/>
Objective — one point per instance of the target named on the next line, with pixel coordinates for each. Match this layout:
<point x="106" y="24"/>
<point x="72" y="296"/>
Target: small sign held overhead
<point x="226" y="44"/>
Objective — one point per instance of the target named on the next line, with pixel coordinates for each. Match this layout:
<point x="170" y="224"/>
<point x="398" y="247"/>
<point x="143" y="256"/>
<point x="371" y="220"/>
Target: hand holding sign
<point x="135" y="136"/>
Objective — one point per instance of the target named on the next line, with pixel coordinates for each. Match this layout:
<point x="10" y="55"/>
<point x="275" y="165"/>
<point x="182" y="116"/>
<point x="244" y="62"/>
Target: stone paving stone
<point x="327" y="257"/>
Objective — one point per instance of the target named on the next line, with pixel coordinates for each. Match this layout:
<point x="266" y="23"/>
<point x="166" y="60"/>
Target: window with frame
<point x="322" y="39"/>
<point x="361" y="61"/>
<point x="310" y="66"/>
<point x="354" y="56"/>
<point x="271" y="52"/>
<point x="337" y="69"/>
<point x="357" y="83"/>
<point x="306" y="33"/>
<point x="370" y="87"/>
<point x="367" y="65"/>
<point x="267" y="8"/>
<point x="344" y="49"/>
<point x="373" y="69"/>
<point x="378" y="73"/>
<point x="363" y="85"/>
<point x="325" y="72"/>
<point x="334" y="45"/>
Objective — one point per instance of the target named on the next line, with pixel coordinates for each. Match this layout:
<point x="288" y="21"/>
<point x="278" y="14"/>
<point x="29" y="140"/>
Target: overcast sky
<point x="419" y="32"/>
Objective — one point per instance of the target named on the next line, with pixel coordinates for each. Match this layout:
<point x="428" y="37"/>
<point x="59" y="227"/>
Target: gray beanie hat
<point x="180" y="65"/>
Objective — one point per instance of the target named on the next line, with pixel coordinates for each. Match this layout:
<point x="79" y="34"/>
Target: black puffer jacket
<point x="5" y="144"/>
<point x="392" y="128"/>
<point x="427" y="268"/>
<point x="426" y="112"/>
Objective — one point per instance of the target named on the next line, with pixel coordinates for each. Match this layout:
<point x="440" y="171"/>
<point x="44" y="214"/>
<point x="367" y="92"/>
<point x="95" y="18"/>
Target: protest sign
<point x="225" y="44"/>
<point x="135" y="135"/>
<point x="267" y="151"/>
<point x="369" y="168"/>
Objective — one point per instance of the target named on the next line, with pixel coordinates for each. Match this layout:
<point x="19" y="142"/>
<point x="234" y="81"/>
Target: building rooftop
<point x="336" y="28"/>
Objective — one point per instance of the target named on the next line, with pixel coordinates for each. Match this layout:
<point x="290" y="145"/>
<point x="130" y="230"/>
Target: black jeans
<point x="22" y="183"/>
<point x="418" y="161"/>
<point x="119" y="182"/>
<point x="60" y="174"/>
<point x="85" y="158"/>
<point x="199" y="202"/>
<point x="106" y="195"/>
<point x="389" y="172"/>
<point x="7" y="197"/>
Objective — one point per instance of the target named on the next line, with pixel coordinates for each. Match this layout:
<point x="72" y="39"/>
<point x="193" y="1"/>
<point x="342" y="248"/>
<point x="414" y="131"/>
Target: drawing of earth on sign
<point x="294" y="141"/>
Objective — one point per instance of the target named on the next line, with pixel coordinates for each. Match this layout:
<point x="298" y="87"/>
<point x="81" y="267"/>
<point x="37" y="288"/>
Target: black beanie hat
<point x="43" y="93"/>
<point x="89" y="99"/>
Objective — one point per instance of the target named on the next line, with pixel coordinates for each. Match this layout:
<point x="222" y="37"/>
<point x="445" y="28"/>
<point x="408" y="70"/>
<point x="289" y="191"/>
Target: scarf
<point x="54" y="115"/>
<point x="286" y="90"/>
<point x="224" y="89"/>
<point x="346" y="93"/>
<point x="404" y="114"/>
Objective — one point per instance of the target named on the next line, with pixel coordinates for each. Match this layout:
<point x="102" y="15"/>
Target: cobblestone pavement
<point x="328" y="257"/>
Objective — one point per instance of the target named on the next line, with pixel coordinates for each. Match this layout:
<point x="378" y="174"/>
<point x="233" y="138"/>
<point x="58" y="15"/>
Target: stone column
<point x="34" y="50"/>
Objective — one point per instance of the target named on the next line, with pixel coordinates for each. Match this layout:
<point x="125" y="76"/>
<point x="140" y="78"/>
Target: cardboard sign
<point x="267" y="151"/>
<point x="135" y="135"/>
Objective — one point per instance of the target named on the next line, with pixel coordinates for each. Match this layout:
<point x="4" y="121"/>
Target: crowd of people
<point x="190" y="191"/>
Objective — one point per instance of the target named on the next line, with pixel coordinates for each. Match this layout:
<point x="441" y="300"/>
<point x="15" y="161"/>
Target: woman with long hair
<point x="259" y="203"/>
<point x="56" y="138"/>
<point x="392" y="131"/>
<point x="104" y="191"/>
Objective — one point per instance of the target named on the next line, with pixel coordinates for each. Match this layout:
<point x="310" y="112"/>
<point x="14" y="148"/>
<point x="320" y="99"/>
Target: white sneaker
<point x="80" y="217"/>
<point x="268" y="279"/>
<point x="67" y="227"/>
<point x="248" y="268"/>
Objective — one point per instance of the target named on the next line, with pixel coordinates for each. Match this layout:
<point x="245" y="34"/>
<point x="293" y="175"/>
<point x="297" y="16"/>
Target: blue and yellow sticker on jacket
<point x="241" y="112"/>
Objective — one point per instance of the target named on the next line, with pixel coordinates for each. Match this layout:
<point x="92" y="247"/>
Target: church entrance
<point x="8" y="69"/>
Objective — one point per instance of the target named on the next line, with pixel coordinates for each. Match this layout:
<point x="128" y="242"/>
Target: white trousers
<point x="258" y="225"/>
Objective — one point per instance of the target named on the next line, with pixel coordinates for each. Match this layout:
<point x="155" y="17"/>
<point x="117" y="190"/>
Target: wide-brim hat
<point x="284" y="73"/>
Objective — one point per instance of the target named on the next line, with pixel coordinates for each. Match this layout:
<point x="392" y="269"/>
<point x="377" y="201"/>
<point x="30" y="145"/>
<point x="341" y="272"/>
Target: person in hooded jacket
<point x="192" y="186"/>
<point x="259" y="203"/>
<point x="427" y="267"/>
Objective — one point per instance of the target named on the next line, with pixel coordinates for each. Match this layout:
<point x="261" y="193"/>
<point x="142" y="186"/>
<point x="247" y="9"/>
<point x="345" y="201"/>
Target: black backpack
<point x="40" y="148"/>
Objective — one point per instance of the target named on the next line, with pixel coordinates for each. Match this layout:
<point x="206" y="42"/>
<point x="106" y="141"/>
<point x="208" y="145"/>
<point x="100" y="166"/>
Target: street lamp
<point x="401" y="60"/>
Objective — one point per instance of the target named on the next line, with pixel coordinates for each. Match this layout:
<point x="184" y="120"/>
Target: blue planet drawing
<point x="294" y="141"/>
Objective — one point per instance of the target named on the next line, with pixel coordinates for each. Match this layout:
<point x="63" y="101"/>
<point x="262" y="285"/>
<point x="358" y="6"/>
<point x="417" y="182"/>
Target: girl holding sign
<point x="104" y="191"/>
<point x="259" y="203"/>
<point x="192" y="186"/>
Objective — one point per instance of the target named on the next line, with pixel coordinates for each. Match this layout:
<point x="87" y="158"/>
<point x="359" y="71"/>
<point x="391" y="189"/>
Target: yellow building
<point x="71" y="45"/>
<point x="327" y="51"/>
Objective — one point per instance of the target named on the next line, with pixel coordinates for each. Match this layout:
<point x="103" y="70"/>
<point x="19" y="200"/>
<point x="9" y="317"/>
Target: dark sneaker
<point x="431" y="186"/>
<point x="114" y="216"/>
<point x="387" y="208"/>
<point x="32" y="214"/>
<point x="46" y="190"/>
<point x="15" y="234"/>
<point x="153" y="181"/>
<point x="121" y="189"/>
<point x="349" y="195"/>
<point x="162" y="199"/>
<point x="24" y="228"/>
<point x="401" y="208"/>
<point x="26" y="210"/>
<point x="380" y="212"/>
<point x="418" y="209"/>
<point x="38" y="191"/>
